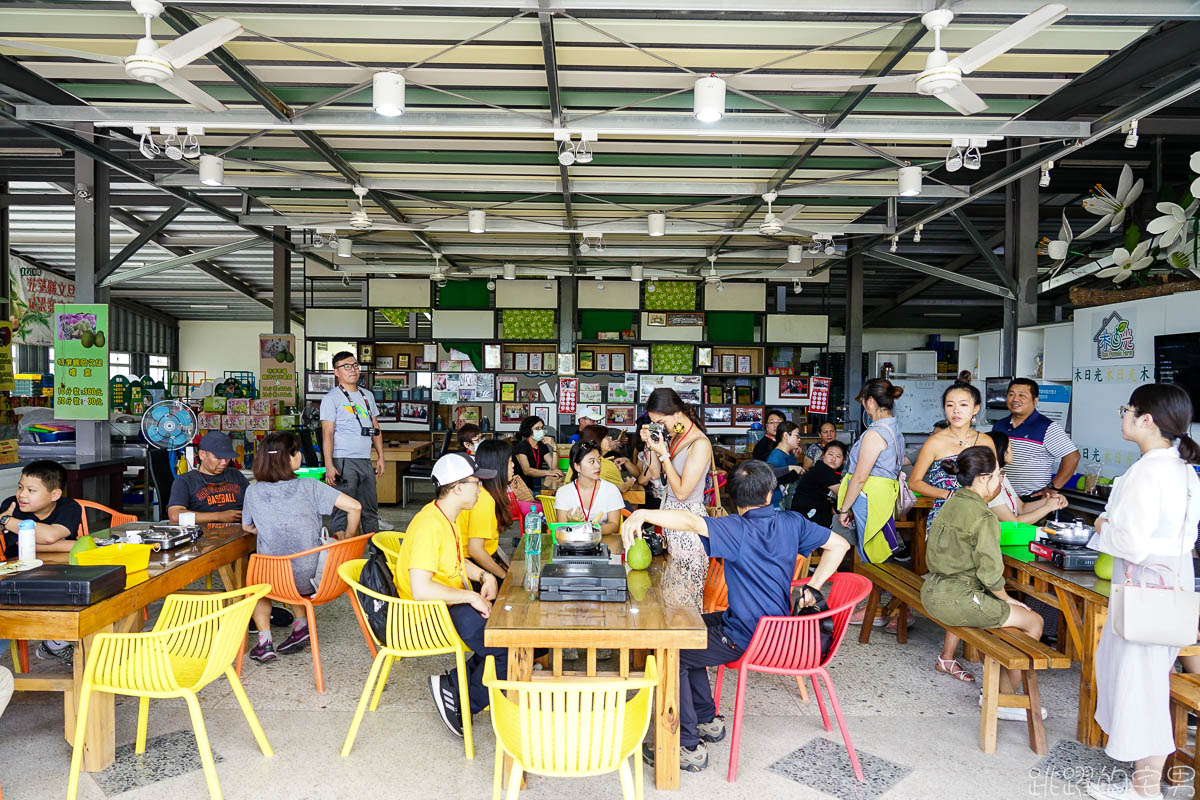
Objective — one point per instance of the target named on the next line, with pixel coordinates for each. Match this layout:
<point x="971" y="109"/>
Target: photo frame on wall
<point x="387" y="410"/>
<point x="718" y="416"/>
<point x="566" y="363"/>
<point x="507" y="362"/>
<point x="402" y="362"/>
<point x="620" y="415"/>
<point x="319" y="382"/>
<point x="587" y="360"/>
<point x="793" y="386"/>
<point x="618" y="362"/>
<point x="543" y="410"/>
<point x="745" y="416"/>
<point x="513" y="413"/>
<point x="641" y="358"/>
<point x="728" y="364"/>
<point x="521" y="362"/>
<point x="491" y="356"/>
<point x="704" y="357"/>
<point x="414" y="412"/>
<point x="385" y="362"/>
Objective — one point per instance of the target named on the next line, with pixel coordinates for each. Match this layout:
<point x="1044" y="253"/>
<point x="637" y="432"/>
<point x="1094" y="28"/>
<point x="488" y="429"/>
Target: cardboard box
<point x="265" y="407"/>
<point x="233" y="422"/>
<point x="215" y="405"/>
<point x="258" y="422"/>
<point x="209" y="421"/>
<point x="285" y="422"/>
<point x="237" y="405"/>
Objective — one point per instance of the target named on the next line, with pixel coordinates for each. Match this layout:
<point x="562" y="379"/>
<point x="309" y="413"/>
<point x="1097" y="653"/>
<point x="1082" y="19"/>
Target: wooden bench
<point x="1183" y="764"/>
<point x="1000" y="648"/>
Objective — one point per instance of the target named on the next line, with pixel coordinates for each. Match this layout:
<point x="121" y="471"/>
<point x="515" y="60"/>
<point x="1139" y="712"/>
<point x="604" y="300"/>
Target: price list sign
<point x="568" y="395"/>
<point x="80" y="361"/>
<point x="818" y="398"/>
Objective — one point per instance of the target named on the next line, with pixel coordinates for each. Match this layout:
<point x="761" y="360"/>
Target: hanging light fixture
<point x="599" y="284"/>
<point x="583" y="151"/>
<point x="1131" y="138"/>
<point x="191" y="145"/>
<point x="387" y="93"/>
<point x="636" y="272"/>
<point x="212" y="170"/>
<point x="566" y="153"/>
<point x="656" y="224"/>
<point x="917" y="233"/>
<point x="476" y="220"/>
<point x="895" y="244"/>
<point x="708" y="98"/>
<point x="345" y="248"/>
<point x="171" y="145"/>
<point x="1044" y="180"/>
<point x="651" y="286"/>
<point x="908" y="181"/>
<point x="510" y="272"/>
<point x="797" y="287"/>
<point x="795" y="253"/>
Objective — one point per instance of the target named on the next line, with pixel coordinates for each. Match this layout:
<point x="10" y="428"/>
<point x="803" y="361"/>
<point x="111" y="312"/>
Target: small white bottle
<point x="27" y="540"/>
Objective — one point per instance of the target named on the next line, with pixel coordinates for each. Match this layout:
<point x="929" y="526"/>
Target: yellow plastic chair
<point x="414" y="628"/>
<point x="570" y="728"/>
<point x="547" y="503"/>
<point x="193" y="643"/>
<point x="389" y="542"/>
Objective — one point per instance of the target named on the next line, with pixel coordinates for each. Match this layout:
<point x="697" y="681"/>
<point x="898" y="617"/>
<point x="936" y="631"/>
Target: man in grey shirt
<point x="349" y="432"/>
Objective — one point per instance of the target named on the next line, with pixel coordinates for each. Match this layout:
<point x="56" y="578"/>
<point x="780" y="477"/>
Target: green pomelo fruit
<point x="638" y="555"/>
<point x="1104" y="566"/>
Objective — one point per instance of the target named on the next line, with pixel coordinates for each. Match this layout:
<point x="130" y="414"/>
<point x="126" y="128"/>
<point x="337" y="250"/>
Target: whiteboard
<point x="921" y="404"/>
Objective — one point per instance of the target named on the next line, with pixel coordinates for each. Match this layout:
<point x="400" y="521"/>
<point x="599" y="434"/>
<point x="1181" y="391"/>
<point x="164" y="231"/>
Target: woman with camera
<point x="1149" y="528"/>
<point x="681" y="456"/>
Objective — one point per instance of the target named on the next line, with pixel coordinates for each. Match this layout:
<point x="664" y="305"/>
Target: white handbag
<point x="1163" y="614"/>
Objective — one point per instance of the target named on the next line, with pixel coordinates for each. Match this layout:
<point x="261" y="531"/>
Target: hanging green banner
<point x="81" y="361"/>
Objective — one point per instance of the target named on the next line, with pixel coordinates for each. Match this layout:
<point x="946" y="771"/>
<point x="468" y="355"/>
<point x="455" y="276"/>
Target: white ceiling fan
<point x="942" y="77"/>
<point x="153" y="64"/>
<point x="775" y="224"/>
<point x="358" y="219"/>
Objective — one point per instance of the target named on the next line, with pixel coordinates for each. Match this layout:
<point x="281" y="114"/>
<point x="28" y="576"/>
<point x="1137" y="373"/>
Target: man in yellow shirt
<point x="431" y="567"/>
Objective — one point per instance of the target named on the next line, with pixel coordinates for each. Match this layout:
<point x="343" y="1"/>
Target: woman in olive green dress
<point x="965" y="585"/>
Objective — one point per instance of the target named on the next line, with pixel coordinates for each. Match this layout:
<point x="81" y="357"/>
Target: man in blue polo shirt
<point x="759" y="546"/>
<point x="1038" y="443"/>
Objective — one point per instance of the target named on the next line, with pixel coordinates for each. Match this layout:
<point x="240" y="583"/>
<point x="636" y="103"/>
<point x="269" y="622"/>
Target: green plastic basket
<point x="316" y="473"/>
<point x="564" y="464"/>
<point x="1016" y="533"/>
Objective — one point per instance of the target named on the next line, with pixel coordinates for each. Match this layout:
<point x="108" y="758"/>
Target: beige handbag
<point x="1163" y="614"/>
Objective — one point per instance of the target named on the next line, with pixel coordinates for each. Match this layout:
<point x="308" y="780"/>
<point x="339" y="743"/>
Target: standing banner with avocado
<point x="277" y="367"/>
<point x="80" y="361"/>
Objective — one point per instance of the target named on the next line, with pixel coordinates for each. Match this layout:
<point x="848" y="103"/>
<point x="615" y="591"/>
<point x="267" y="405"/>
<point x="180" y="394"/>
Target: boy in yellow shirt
<point x="431" y="566"/>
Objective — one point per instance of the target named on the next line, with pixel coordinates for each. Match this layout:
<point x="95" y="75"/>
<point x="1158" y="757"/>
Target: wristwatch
<point x="4" y="521"/>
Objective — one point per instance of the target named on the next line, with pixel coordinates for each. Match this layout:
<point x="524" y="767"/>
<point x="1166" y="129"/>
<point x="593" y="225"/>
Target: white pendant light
<point x="476" y="219"/>
<point x="795" y="253"/>
<point x="636" y="272"/>
<point x="387" y="94"/>
<point x="566" y="153"/>
<point x="510" y="272"/>
<point x="908" y="182"/>
<point x="708" y="99"/>
<point x="212" y="170"/>
<point x="345" y="248"/>
<point x="656" y="224"/>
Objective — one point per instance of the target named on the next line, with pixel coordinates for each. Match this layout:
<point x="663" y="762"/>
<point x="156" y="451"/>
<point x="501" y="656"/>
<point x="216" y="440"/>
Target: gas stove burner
<point x="1075" y="557"/>
<point x="590" y="554"/>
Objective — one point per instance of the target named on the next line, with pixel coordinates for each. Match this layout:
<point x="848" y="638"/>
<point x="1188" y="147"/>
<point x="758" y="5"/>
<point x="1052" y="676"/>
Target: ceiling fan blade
<point x="200" y="42"/>
<point x="822" y="83"/>
<point x="791" y="211"/>
<point x="186" y="90"/>
<point x="962" y="100"/>
<point x="1009" y="38"/>
<point x="291" y="220"/>
<point x="395" y="226"/>
<point x="61" y="51"/>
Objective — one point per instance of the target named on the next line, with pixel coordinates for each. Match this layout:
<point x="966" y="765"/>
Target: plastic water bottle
<point x="26" y="540"/>
<point x="533" y="549"/>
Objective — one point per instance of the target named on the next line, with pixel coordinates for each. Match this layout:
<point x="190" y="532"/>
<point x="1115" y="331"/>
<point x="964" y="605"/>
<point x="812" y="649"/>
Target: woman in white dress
<point x="1150" y="518"/>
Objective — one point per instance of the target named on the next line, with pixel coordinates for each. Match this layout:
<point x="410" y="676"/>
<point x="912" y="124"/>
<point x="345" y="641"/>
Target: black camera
<point x="657" y="431"/>
<point x="369" y="431"/>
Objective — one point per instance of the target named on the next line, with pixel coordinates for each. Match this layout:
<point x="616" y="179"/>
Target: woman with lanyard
<point x="1007" y="506"/>
<point x="961" y="403"/>
<point x="683" y="463"/>
<point x="588" y="497"/>
<point x="534" y="457"/>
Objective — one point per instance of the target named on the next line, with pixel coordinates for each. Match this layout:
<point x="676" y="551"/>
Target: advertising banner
<point x="277" y="367"/>
<point x="80" y="361"/>
<point x="34" y="292"/>
<point x="818" y="397"/>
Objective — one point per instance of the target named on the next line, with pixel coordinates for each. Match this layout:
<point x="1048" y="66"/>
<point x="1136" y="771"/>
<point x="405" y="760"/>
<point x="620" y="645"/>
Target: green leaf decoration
<point x="1133" y="235"/>
<point x="399" y="316"/>
<point x="528" y="323"/>
<point x="672" y="296"/>
<point x="672" y="359"/>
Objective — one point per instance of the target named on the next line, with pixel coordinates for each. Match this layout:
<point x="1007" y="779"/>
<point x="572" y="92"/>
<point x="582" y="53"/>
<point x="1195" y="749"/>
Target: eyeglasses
<point x="1123" y="409"/>
<point x="351" y="365"/>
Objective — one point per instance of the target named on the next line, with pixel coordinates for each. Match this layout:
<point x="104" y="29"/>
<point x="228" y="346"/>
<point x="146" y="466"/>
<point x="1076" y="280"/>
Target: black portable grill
<point x="560" y="581"/>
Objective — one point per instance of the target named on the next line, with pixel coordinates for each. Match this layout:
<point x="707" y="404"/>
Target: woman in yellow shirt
<point x="492" y="512"/>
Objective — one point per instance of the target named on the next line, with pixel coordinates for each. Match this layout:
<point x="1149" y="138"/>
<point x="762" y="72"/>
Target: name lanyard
<point x="354" y="407"/>
<point x="462" y="573"/>
<point x="536" y="448"/>
<point x="587" y="512"/>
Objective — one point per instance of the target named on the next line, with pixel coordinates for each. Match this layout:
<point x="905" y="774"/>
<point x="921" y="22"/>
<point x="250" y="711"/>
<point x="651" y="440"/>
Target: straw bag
<point x="716" y="594"/>
<point x="1163" y="614"/>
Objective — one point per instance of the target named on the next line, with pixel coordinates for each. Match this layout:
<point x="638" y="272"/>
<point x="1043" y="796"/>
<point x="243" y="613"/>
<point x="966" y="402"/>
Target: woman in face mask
<point x="469" y="437"/>
<point x="534" y="457"/>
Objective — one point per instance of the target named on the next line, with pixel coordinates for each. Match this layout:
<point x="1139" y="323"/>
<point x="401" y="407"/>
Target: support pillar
<point x="93" y="438"/>
<point x="4" y="255"/>
<point x="568" y="300"/>
<point x="1020" y="259"/>
<point x="281" y="284"/>
<point x="854" y="338"/>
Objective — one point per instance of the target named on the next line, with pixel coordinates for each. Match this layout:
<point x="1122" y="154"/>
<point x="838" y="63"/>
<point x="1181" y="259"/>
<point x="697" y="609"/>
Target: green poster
<point x="118" y="388"/>
<point x="81" y="361"/>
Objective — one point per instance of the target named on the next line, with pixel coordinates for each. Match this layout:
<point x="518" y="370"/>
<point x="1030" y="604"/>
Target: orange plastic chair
<point x="792" y="646"/>
<point x="277" y="571"/>
<point x="118" y="518"/>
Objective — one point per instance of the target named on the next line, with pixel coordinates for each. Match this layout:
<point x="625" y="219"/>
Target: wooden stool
<point x="1183" y="764"/>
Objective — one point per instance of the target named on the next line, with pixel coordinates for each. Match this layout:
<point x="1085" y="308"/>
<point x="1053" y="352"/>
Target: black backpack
<point x="826" y="624"/>
<point x="377" y="576"/>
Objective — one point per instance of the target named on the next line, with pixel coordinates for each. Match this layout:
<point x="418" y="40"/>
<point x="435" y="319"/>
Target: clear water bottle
<point x="26" y="540"/>
<point x="533" y="549"/>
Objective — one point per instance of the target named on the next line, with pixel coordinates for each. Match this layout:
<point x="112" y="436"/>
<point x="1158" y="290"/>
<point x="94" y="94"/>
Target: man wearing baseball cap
<point x="584" y="422"/>
<point x="215" y="490"/>
<point x="431" y="566"/>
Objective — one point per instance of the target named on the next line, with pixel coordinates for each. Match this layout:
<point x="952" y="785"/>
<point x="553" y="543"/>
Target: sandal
<point x="951" y="667"/>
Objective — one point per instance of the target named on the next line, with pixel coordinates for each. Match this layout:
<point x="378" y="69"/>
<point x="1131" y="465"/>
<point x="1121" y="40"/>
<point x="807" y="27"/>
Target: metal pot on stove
<point x="1068" y="534"/>
<point x="577" y="535"/>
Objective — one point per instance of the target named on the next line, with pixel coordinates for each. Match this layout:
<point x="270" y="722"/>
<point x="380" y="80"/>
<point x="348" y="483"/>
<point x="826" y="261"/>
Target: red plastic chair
<point x="117" y="517"/>
<point x="792" y="646"/>
<point x="277" y="571"/>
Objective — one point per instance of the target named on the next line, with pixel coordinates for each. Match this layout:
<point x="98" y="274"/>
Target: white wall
<point x="893" y="338"/>
<point x="217" y="346"/>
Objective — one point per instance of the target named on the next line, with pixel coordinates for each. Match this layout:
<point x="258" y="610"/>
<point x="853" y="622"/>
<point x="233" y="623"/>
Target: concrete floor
<point x="916" y="732"/>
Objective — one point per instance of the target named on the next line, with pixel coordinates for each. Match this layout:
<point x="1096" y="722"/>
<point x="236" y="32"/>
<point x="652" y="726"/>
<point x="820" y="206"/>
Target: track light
<point x="954" y="159"/>
<point x="583" y="153"/>
<point x="708" y="98"/>
<point x="599" y="284"/>
<point x="1131" y="138"/>
<point x="345" y="248"/>
<point x="908" y="181"/>
<point x="797" y="287"/>
<point x="895" y="244"/>
<point x="171" y="144"/>
<point x="547" y="285"/>
<point x="917" y="232"/>
<point x="476" y="220"/>
<point x="584" y="247"/>
<point x="566" y="153"/>
<point x="636" y="272"/>
<point x="656" y="224"/>
<point x="212" y="170"/>
<point x="1044" y="180"/>
<point x="345" y="280"/>
<point x="191" y="145"/>
<point x="333" y="241"/>
<point x="651" y="287"/>
<point x="491" y="285"/>
<point x="973" y="159"/>
<point x="510" y="272"/>
<point x="146" y="143"/>
<point x="387" y="93"/>
<point x="795" y="254"/>
<point x="830" y="250"/>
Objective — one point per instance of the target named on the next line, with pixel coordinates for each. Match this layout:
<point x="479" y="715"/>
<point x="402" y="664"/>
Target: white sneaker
<point x="1013" y="714"/>
<point x="1117" y="791"/>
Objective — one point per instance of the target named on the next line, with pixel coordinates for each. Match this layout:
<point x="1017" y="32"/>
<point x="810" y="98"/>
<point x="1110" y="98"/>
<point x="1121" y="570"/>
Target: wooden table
<point x="728" y="458"/>
<point x="387" y="486"/>
<point x="520" y="622"/>
<point x="224" y="548"/>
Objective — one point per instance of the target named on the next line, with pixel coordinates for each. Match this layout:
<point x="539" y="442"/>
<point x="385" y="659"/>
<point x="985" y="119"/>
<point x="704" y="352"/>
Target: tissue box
<point x="215" y="404"/>
<point x="209" y="421"/>
<point x="237" y="405"/>
<point x="233" y="422"/>
<point x="258" y="422"/>
<point x="285" y="422"/>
